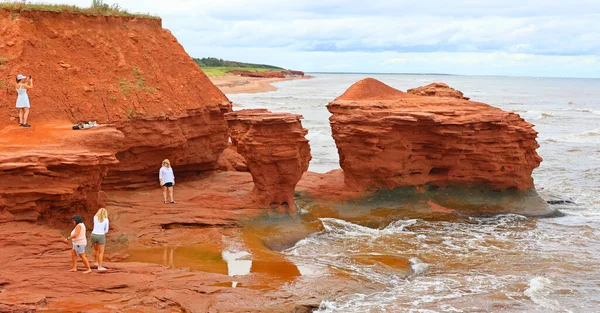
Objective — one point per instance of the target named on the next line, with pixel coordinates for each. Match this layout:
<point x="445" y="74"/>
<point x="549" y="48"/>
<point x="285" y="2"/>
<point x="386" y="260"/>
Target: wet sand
<point x="239" y="84"/>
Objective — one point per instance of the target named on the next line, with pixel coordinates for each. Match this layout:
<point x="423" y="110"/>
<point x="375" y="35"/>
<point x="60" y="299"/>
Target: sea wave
<point x="348" y="229"/>
<point x="534" y="115"/>
<point x="591" y="136"/>
<point x="540" y="292"/>
<point x="588" y="111"/>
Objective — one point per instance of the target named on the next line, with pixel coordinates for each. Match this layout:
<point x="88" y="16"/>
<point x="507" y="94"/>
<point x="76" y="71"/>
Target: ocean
<point x="507" y="263"/>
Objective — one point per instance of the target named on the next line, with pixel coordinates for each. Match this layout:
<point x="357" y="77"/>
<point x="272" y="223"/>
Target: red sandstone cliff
<point x="128" y="74"/>
<point x="124" y="71"/>
<point x="387" y="138"/>
<point x="276" y="151"/>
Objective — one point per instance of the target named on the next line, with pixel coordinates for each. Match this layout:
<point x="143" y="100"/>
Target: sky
<point x="541" y="38"/>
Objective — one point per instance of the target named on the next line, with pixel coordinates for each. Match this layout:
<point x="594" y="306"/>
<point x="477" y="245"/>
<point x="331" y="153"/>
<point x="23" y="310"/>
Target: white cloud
<point x="520" y="35"/>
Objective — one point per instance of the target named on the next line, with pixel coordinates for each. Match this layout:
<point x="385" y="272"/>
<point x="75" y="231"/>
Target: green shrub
<point x="98" y="7"/>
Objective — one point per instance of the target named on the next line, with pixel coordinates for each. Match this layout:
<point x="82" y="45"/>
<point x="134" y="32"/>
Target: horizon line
<point x="446" y="74"/>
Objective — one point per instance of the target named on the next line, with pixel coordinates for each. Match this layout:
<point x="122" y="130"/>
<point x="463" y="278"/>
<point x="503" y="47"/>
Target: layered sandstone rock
<point x="231" y="161"/>
<point x="54" y="171"/>
<point x="438" y="90"/>
<point x="388" y="139"/>
<point x="276" y="151"/>
<point x="124" y="71"/>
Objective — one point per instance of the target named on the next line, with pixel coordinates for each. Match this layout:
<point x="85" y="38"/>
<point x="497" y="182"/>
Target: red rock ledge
<point x="276" y="151"/>
<point x="387" y="138"/>
<point x="437" y="90"/>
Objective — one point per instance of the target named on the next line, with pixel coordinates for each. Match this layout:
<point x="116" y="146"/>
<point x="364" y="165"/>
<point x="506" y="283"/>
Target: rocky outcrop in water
<point x="389" y="139"/>
<point x="276" y="151"/>
<point x="127" y="72"/>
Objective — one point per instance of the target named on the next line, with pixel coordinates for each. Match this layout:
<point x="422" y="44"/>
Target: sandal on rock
<point x="166" y="202"/>
<point x="173" y="202"/>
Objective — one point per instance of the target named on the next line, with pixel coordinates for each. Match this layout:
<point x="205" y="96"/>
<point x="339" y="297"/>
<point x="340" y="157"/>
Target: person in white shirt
<point x="98" y="237"/>
<point x="166" y="178"/>
<point x="79" y="243"/>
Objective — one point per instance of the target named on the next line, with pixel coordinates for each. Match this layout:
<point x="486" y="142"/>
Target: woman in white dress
<point x="23" y="83"/>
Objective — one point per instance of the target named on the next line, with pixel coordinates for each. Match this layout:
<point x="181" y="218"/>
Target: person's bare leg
<point x="171" y="194"/>
<point x="25" y="115"/>
<point x="86" y="263"/>
<point x="95" y="253"/>
<point x="165" y="193"/>
<point x="100" y="256"/>
<point x="20" y="116"/>
<point x="74" y="261"/>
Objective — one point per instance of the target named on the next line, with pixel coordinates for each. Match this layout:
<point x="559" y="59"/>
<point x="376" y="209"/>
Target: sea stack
<point x="276" y="151"/>
<point x="473" y="156"/>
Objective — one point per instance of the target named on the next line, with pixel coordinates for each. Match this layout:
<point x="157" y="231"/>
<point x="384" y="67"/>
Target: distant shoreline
<point x="239" y="84"/>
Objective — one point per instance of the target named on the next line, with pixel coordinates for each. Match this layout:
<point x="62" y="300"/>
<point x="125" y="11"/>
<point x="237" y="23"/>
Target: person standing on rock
<point x="166" y="179"/>
<point x="23" y="83"/>
<point x="98" y="237"/>
<point x="79" y="243"/>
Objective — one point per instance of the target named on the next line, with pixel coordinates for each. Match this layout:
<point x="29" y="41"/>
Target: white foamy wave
<point x="418" y="267"/>
<point x="533" y="114"/>
<point x="344" y="228"/>
<point x="592" y="136"/>
<point x="588" y="111"/>
<point x="540" y="291"/>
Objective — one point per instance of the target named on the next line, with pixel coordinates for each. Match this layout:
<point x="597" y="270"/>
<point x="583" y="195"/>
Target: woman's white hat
<point x="19" y="77"/>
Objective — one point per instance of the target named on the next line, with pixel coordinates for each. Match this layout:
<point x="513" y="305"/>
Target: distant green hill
<point x="220" y="67"/>
<point x="213" y="62"/>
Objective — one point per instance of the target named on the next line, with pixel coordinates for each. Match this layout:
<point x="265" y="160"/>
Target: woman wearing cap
<point x="79" y="242"/>
<point x="166" y="179"/>
<point x="98" y="237"/>
<point x="23" y="83"/>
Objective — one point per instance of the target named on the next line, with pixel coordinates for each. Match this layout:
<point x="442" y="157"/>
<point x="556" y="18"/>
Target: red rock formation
<point x="232" y="161"/>
<point x="53" y="170"/>
<point x="276" y="151"/>
<point x="125" y="71"/>
<point x="437" y="90"/>
<point x="279" y="74"/>
<point x="388" y="139"/>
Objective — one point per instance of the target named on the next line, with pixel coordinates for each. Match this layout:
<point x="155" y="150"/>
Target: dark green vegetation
<point x="98" y="7"/>
<point x="214" y="62"/>
<point x="220" y="67"/>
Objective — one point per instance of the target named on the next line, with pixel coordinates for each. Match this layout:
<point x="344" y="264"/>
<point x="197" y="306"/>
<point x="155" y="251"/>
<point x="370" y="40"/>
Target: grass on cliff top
<point x="98" y="7"/>
<point x="213" y="71"/>
<point x="219" y="67"/>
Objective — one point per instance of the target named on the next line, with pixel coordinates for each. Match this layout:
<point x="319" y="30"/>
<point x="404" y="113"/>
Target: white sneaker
<point x="101" y="269"/>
